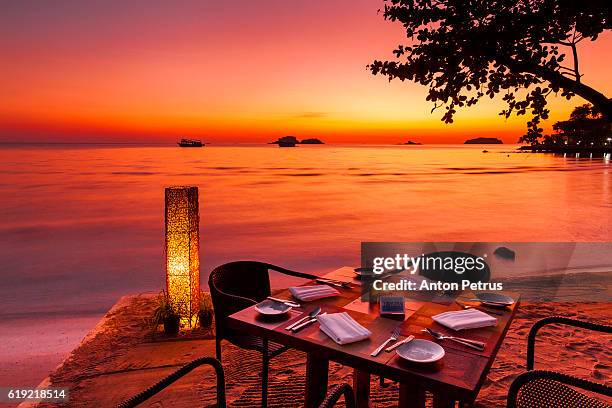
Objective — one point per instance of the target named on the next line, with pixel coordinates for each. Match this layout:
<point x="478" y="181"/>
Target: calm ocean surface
<point x="83" y="225"/>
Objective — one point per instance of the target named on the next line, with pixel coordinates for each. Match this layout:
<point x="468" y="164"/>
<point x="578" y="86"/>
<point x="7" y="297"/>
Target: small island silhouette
<point x="290" y="141"/>
<point x="484" y="140"/>
<point x="311" y="141"/>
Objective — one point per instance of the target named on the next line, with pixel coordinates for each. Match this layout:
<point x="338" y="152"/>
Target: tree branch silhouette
<point x="464" y="50"/>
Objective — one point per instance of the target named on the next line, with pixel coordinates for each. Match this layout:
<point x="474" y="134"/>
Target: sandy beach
<point x="33" y="346"/>
<point x="122" y="356"/>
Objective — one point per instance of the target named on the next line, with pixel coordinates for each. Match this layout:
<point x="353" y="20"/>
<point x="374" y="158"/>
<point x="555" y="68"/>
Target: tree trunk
<point x="599" y="100"/>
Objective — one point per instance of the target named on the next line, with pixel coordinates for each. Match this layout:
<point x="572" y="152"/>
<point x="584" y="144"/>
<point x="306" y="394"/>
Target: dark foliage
<point x="584" y="128"/>
<point x="467" y="49"/>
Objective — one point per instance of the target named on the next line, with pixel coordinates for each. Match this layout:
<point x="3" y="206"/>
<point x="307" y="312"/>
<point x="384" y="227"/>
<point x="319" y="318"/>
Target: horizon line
<point x="9" y="142"/>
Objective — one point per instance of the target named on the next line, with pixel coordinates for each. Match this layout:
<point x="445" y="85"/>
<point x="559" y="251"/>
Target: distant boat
<point x="190" y="143"/>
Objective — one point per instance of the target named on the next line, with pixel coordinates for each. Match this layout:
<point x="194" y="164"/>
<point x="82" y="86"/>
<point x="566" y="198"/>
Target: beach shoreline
<point x="566" y="149"/>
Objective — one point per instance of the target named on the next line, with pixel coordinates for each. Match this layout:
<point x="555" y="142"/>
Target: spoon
<point x="309" y="316"/>
<point x="308" y="321"/>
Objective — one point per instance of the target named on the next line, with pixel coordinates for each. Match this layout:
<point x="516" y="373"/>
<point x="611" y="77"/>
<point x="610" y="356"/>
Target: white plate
<point x="420" y="351"/>
<point x="272" y="308"/>
<point x="496" y="299"/>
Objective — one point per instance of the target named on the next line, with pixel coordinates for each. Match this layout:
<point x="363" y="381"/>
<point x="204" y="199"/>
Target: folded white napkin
<point x="342" y="328"/>
<point x="308" y="293"/>
<point x="465" y="319"/>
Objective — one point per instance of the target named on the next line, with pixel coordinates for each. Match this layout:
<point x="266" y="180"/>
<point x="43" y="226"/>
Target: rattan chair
<point x="330" y="400"/>
<point x="334" y="395"/>
<point x="549" y="389"/>
<point x="235" y="286"/>
<point x="181" y="372"/>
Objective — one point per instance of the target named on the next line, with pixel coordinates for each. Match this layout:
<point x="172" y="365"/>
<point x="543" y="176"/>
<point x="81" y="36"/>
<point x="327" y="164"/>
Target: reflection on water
<point x="82" y="226"/>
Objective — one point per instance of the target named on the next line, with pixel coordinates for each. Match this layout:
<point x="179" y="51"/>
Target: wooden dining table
<point x="455" y="379"/>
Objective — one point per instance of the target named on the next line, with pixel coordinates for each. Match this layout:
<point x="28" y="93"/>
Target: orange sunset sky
<point x="240" y="71"/>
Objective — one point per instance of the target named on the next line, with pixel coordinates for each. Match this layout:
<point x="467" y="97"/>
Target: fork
<point x="394" y="335"/>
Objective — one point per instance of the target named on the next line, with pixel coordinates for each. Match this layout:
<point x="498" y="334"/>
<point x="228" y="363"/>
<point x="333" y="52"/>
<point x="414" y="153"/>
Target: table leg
<point x="361" y="385"/>
<point x="317" y="368"/>
<point x="411" y="396"/>
<point x="440" y="401"/>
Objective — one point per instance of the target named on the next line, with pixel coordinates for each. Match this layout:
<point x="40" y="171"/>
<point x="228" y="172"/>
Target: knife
<point x="310" y="315"/>
<point x="399" y="343"/>
<point x="287" y="302"/>
<point x="297" y="328"/>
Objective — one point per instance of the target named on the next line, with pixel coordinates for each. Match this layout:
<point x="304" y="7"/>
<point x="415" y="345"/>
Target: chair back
<point x="235" y="286"/>
<point x="181" y="372"/>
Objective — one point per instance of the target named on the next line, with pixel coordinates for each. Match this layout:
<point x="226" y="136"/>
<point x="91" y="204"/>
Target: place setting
<point x="489" y="302"/>
<point x="460" y="320"/>
<point x="409" y="349"/>
<point x="308" y="294"/>
<point x="274" y="307"/>
<point x="272" y="310"/>
<point x="341" y="327"/>
<point x="492" y="299"/>
<point x="424" y="351"/>
<point x="420" y="351"/>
